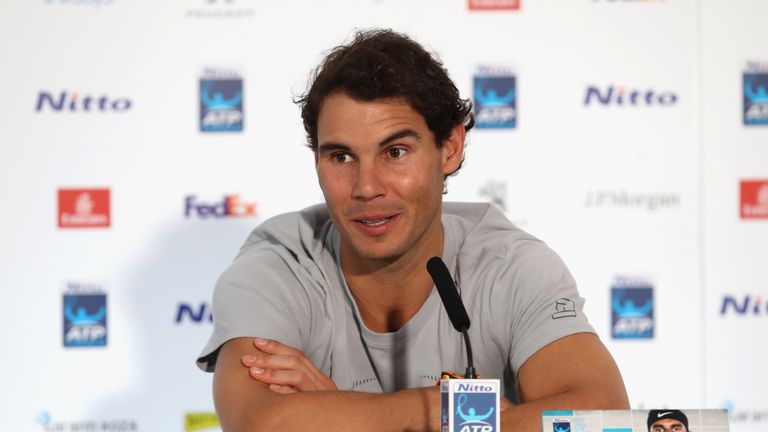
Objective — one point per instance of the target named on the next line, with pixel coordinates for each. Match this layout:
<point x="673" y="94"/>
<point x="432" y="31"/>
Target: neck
<point x="389" y="293"/>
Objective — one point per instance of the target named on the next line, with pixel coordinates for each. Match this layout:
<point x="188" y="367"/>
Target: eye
<point x="341" y="158"/>
<point x="396" y="152"/>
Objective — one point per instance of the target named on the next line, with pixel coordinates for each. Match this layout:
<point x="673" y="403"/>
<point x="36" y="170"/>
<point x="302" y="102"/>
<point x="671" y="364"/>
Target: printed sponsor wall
<point x="142" y="141"/>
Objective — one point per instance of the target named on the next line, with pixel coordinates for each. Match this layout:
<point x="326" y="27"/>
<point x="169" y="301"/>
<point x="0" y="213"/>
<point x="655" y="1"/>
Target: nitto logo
<point x="74" y="102"/>
<point x="194" y="313"/>
<point x="622" y="96"/>
<point x="474" y="388"/>
<point x="744" y="305"/>
<point x="230" y="206"/>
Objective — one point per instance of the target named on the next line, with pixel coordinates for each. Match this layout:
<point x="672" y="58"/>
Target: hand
<point x="285" y="369"/>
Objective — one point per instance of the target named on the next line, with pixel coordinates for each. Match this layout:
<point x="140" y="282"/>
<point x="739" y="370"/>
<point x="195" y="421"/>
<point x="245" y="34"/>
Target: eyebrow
<point x="335" y="146"/>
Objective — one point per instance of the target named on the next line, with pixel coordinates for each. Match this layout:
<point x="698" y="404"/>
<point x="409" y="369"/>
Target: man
<point x="667" y="421"/>
<point x="328" y="319"/>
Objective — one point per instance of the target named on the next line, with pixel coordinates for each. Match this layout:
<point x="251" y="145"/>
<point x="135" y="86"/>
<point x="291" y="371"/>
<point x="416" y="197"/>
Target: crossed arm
<point x="264" y="385"/>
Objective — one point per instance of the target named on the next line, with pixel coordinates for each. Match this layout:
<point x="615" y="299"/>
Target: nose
<point x="368" y="182"/>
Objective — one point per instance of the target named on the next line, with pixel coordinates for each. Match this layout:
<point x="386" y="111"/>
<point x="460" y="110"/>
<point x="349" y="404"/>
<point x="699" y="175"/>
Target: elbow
<point x="606" y="397"/>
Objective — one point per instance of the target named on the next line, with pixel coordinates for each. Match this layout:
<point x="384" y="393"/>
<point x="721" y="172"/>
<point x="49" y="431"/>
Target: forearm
<point x="527" y="416"/>
<point x="408" y="410"/>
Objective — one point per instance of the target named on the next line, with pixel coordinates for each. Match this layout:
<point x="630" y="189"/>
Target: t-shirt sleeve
<point x="257" y="296"/>
<point x="544" y="300"/>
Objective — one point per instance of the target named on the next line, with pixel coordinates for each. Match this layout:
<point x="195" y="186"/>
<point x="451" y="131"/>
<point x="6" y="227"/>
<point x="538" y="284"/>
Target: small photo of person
<point x="667" y="421"/>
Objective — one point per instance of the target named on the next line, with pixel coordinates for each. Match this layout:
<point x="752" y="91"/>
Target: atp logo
<point x="221" y="101"/>
<point x="85" y="316"/>
<point x="755" y="99"/>
<point x="495" y="97"/>
<point x="632" y="310"/>
<point x="475" y="411"/>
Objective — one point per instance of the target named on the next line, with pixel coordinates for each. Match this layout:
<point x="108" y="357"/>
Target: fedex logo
<point x="231" y="206"/>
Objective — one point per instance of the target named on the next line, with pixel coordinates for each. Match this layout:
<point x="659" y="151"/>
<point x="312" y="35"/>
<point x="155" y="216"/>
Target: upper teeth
<point x="375" y="222"/>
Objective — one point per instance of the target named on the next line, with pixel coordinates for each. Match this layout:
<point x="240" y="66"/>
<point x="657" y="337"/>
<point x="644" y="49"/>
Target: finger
<point x="298" y="380"/>
<point x="277" y="361"/>
<point x="313" y="379"/>
<point x="309" y="378"/>
<point x="271" y="346"/>
<point x="282" y="389"/>
<point x="258" y="363"/>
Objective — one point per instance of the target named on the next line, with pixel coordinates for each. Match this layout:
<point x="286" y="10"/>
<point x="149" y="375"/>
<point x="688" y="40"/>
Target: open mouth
<point x="376" y="225"/>
<point x="376" y="222"/>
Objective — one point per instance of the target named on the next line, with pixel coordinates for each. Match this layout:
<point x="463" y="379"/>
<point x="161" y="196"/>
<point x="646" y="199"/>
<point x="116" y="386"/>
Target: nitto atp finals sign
<point x="85" y="315"/>
<point x="495" y="98"/>
<point x="221" y="100"/>
<point x="632" y="309"/>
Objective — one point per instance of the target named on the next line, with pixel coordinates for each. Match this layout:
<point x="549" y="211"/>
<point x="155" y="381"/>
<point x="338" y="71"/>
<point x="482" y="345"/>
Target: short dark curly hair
<point x="380" y="64"/>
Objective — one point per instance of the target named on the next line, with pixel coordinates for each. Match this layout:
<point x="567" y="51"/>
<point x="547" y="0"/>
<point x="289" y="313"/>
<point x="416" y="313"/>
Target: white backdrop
<point x="646" y="192"/>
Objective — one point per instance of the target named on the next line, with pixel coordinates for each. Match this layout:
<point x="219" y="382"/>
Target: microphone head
<point x="448" y="293"/>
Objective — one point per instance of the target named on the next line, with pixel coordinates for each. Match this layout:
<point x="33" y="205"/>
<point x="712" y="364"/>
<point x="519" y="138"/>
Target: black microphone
<point x="453" y="305"/>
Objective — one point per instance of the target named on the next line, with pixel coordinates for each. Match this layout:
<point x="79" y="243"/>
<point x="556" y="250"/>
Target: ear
<point x="453" y="149"/>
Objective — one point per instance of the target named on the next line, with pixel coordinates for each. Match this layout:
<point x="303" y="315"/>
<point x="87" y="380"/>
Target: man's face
<point x="668" y="425"/>
<point x="382" y="176"/>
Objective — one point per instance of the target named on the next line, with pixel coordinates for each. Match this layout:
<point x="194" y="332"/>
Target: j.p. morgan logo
<point x="626" y="199"/>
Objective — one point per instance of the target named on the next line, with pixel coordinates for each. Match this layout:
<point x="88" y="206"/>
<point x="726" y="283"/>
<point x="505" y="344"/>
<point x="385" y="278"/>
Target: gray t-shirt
<point x="286" y="284"/>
